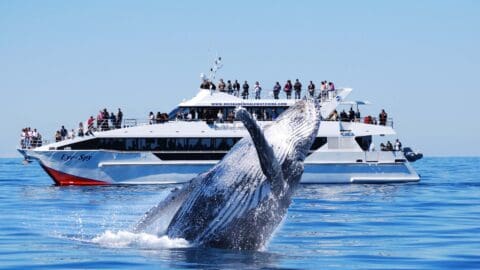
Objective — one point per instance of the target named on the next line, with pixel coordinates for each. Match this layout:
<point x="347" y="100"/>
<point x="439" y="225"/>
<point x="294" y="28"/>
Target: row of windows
<point x="165" y="144"/>
<point x="156" y="144"/>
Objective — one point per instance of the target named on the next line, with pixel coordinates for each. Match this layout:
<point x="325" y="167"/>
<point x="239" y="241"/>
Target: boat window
<point x="155" y="144"/>
<point x="131" y="144"/>
<point x="180" y="144"/>
<point x="170" y="144"/>
<point x="223" y="144"/>
<point x="206" y="144"/>
<point x="84" y="145"/>
<point x="364" y="142"/>
<point x="193" y="143"/>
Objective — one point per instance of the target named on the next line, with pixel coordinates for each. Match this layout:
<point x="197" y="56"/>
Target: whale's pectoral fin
<point x="165" y="210"/>
<point x="269" y="163"/>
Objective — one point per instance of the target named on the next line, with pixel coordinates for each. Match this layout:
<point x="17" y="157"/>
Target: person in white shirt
<point x="397" y="146"/>
<point x="258" y="90"/>
<point x="151" y="118"/>
<point x="23" y="138"/>
<point x="220" y="116"/>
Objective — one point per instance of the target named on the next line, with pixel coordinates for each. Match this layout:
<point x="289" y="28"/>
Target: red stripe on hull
<point x="65" y="179"/>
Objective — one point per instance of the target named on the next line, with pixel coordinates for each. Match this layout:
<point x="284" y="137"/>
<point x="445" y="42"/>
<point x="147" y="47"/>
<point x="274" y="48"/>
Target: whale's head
<point x="295" y="130"/>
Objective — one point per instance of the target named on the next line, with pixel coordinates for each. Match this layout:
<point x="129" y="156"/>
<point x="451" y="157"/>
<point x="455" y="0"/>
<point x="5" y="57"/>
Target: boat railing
<point x="366" y="120"/>
<point x="322" y="95"/>
<point x="32" y="143"/>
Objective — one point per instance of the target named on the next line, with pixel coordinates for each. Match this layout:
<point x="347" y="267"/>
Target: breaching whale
<point x="240" y="201"/>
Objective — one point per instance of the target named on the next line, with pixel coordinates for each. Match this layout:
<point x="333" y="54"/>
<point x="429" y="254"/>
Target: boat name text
<point x="248" y="104"/>
<point x="81" y="157"/>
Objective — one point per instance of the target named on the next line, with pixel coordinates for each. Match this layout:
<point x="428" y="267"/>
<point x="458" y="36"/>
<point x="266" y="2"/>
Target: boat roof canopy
<point x="356" y="102"/>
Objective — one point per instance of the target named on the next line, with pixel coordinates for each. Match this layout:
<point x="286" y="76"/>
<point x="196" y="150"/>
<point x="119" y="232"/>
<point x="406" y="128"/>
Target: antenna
<point x="217" y="64"/>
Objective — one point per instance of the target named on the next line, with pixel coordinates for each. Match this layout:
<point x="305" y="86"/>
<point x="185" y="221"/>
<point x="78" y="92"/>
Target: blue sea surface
<point x="433" y="224"/>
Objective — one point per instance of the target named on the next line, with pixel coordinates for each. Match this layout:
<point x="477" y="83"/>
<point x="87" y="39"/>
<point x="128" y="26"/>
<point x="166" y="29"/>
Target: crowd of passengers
<point x="213" y="115"/>
<point x="354" y="116"/>
<point x="30" y="138"/>
<point x="391" y="147"/>
<point x="158" y="118"/>
<point x="326" y="89"/>
<point x="104" y="121"/>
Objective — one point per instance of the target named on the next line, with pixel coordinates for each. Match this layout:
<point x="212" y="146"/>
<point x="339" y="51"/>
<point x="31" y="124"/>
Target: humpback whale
<point x="239" y="202"/>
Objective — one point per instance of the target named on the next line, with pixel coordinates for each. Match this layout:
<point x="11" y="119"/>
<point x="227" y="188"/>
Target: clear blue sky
<point x="61" y="61"/>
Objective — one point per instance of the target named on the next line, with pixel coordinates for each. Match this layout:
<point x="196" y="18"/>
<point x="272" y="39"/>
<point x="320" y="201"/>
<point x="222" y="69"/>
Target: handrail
<point x="32" y="143"/>
<point x="323" y="95"/>
<point x="365" y="120"/>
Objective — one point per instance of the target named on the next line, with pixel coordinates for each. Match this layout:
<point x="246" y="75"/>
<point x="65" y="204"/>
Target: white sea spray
<point x="122" y="239"/>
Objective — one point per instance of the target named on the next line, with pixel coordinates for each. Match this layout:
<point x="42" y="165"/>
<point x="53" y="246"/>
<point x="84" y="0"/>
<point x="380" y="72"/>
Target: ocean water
<point x="434" y="224"/>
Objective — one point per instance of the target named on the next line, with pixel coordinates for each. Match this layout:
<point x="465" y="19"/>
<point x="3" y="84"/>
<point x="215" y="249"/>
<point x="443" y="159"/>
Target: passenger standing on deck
<point x="213" y="87"/>
<point x="27" y="138"/>
<point x="276" y="90"/>
<point x="236" y="88"/>
<point x="311" y="89"/>
<point x="119" y="118"/>
<point x="229" y="87"/>
<point x="113" y="120"/>
<point x="288" y="89"/>
<point x="351" y="114"/>
<point x="90" y="122"/>
<point x="39" y="140"/>
<point x="151" y="118"/>
<point x="258" y="90"/>
<point x="383" y="118"/>
<point x="159" y="118"/>
<point x="221" y="85"/>
<point x="397" y="146"/>
<point x="245" y="90"/>
<point x="298" y="89"/>
<point x="23" y="138"/>
<point x="205" y="84"/>
<point x="80" y="130"/>
<point x="106" y="116"/>
<point x="34" y="139"/>
<point x="389" y="146"/>
<point x="99" y="120"/>
<point x="58" y="136"/>
<point x="323" y="91"/>
<point x="63" y="133"/>
<point x="331" y="89"/>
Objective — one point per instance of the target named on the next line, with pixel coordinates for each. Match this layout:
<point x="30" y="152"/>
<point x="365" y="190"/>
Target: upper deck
<point x="214" y="99"/>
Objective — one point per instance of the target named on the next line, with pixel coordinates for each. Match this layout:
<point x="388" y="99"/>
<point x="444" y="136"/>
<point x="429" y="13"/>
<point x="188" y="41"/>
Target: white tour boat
<point x="200" y="131"/>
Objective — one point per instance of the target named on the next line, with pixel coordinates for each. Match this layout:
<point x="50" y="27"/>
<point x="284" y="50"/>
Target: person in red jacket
<point x="288" y="89"/>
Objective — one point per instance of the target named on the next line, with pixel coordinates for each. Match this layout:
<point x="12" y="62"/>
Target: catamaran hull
<point x="68" y="167"/>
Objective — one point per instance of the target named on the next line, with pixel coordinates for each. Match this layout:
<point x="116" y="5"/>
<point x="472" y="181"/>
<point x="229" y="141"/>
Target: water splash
<point x="122" y="239"/>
